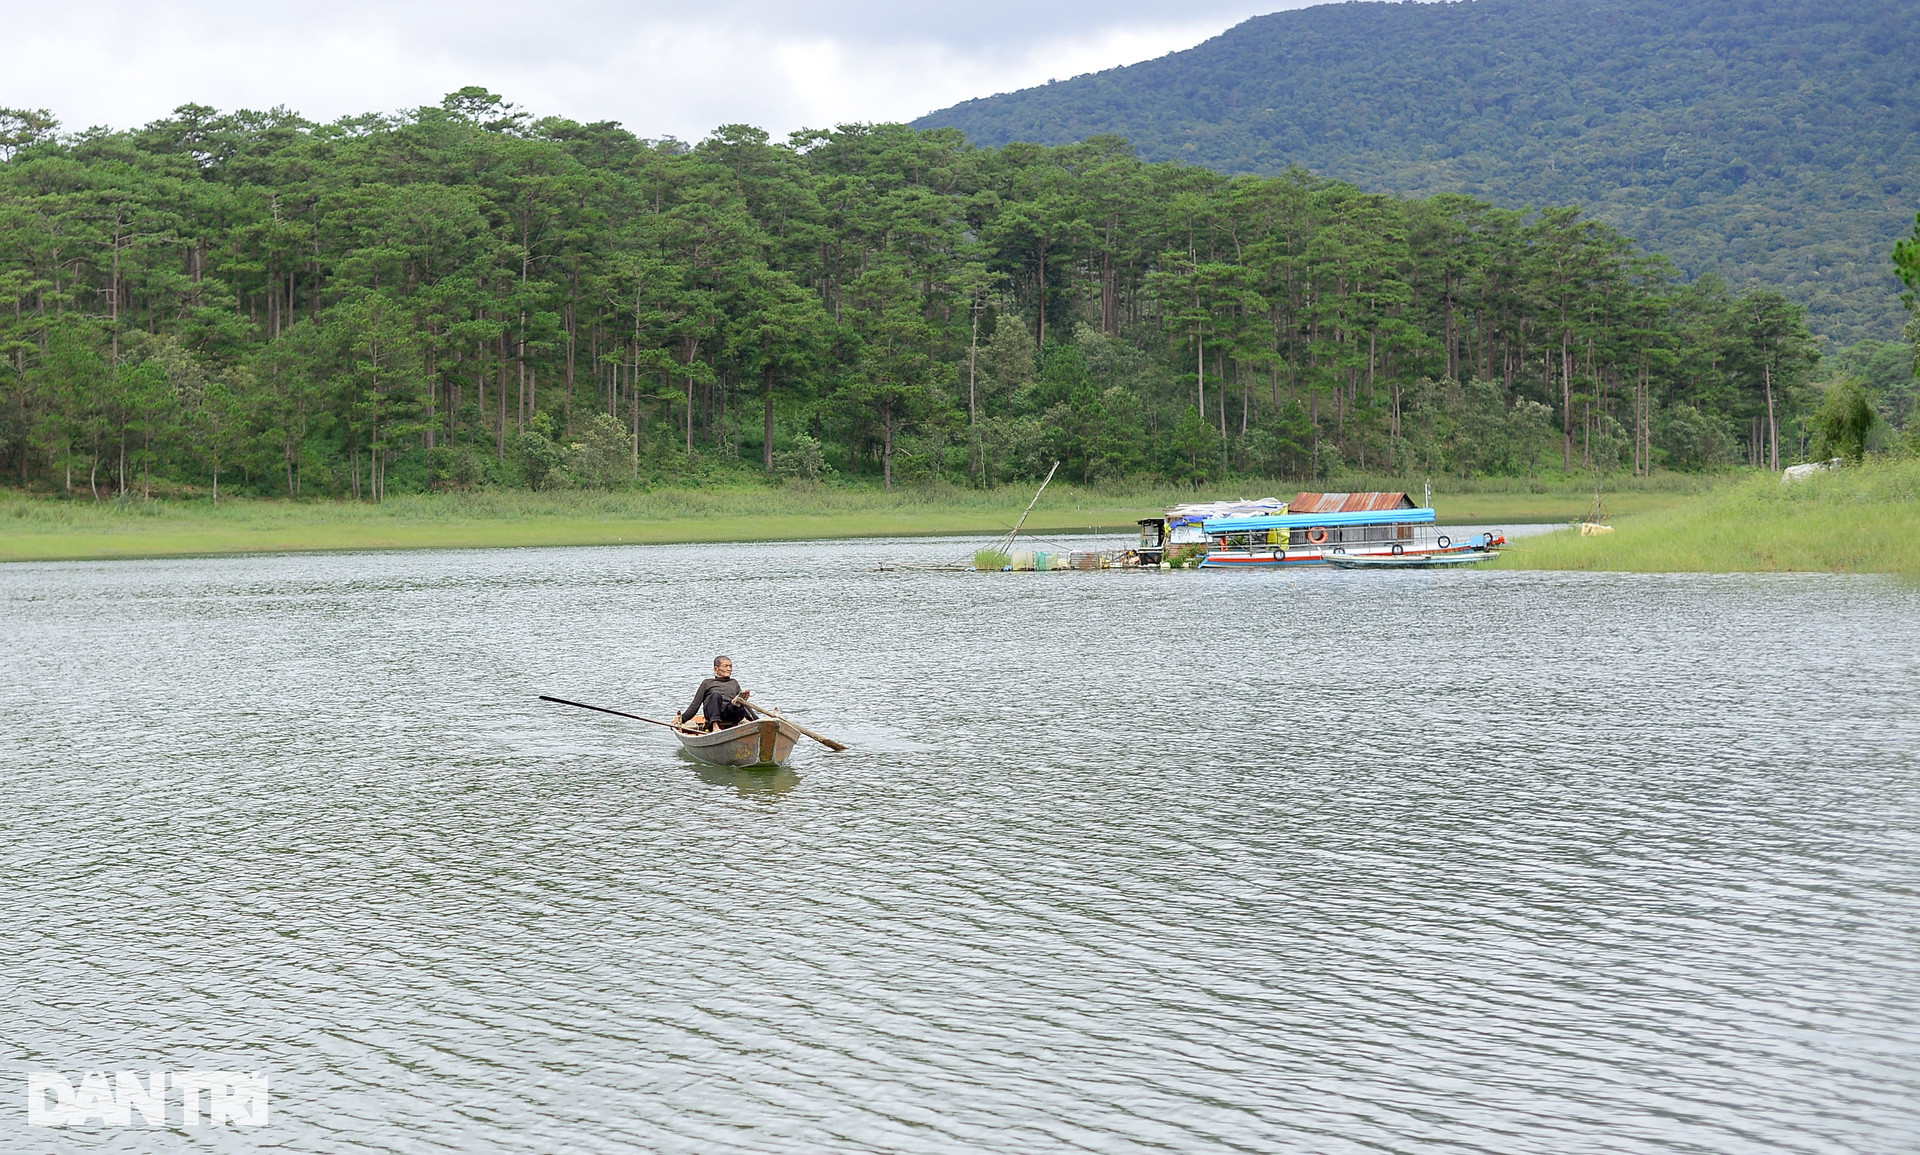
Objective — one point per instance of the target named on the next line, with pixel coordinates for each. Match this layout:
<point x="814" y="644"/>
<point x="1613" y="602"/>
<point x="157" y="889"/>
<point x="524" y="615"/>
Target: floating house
<point x="1317" y="526"/>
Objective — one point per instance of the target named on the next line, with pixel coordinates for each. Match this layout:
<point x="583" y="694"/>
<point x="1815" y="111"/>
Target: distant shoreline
<point x="52" y="529"/>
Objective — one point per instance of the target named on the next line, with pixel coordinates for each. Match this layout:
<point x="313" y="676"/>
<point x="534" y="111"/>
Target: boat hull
<point x="763" y="742"/>
<point x="1414" y="561"/>
<point x="1277" y="558"/>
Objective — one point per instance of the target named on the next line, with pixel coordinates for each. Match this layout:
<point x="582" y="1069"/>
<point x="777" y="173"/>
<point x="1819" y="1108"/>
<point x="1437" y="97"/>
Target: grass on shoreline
<point x="47" y="528"/>
<point x="1864" y="519"/>
<point x="51" y="529"/>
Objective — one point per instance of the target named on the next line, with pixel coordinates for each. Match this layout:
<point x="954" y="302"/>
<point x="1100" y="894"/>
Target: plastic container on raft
<point x="1040" y="560"/>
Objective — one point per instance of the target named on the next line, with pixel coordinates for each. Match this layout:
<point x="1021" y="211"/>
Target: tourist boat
<point x="762" y="742"/>
<point x="1317" y="527"/>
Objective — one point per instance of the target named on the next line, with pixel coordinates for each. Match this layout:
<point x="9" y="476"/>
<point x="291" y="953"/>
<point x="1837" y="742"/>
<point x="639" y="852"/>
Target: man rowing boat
<point x="719" y="701"/>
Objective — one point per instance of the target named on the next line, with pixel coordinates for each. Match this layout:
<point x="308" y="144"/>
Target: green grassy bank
<point x="43" y="529"/>
<point x="1858" y="520"/>
<point x="39" y="528"/>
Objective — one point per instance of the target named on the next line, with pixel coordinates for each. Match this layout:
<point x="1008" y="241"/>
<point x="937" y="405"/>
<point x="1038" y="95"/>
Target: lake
<point x="1184" y="862"/>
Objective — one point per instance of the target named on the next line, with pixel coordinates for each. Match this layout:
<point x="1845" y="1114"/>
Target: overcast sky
<point x="661" y="69"/>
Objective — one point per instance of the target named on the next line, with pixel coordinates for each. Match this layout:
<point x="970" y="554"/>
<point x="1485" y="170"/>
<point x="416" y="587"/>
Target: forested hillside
<point x="1771" y="141"/>
<point x="464" y="295"/>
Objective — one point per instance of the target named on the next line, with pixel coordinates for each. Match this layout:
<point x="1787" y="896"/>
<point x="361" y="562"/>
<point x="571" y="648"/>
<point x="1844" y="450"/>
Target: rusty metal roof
<point x="1350" y="502"/>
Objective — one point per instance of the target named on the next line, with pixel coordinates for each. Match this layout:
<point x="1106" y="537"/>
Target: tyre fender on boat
<point x="1445" y="541"/>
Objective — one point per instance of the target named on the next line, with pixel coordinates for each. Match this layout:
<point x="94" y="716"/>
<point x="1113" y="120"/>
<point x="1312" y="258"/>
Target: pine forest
<point x="466" y="296"/>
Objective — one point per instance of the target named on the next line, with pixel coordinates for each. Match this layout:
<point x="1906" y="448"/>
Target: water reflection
<point x="751" y="781"/>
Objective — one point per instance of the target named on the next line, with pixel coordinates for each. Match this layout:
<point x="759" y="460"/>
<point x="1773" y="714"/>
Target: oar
<point x="604" y="710"/>
<point x="829" y="743"/>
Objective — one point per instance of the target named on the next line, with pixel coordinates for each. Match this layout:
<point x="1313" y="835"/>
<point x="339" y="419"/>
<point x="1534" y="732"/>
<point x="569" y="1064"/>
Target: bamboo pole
<point x="1007" y="545"/>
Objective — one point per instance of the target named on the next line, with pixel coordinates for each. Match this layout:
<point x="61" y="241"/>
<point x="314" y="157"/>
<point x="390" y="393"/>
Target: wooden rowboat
<point x="762" y="742"/>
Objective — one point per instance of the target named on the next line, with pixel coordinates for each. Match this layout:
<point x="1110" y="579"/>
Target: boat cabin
<point x="1315" y="526"/>
<point x="1153" y="541"/>
<point x="1383" y="530"/>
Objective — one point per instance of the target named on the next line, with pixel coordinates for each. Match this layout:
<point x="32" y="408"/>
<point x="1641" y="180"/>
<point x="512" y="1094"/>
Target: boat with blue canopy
<point x="1316" y="528"/>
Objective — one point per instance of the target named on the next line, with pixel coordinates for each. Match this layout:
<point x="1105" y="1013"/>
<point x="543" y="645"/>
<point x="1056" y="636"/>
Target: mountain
<point x="1767" y="141"/>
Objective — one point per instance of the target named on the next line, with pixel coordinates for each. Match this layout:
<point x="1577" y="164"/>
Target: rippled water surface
<point x="1118" y="862"/>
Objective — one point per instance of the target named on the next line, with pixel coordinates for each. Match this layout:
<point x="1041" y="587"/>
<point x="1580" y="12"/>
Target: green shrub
<point x="544" y="461"/>
<point x="803" y="461"/>
<point x="1845" y="419"/>
<point x="602" y="458"/>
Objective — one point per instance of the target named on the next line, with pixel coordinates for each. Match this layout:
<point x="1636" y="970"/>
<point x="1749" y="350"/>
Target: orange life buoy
<point x="1317" y="536"/>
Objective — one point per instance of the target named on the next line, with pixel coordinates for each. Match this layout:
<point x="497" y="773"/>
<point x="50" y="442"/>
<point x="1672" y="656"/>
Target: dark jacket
<point x="728" y="687"/>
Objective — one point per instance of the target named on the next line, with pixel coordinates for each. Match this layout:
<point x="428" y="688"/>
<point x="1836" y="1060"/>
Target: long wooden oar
<point x="604" y="710"/>
<point x="829" y="743"/>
